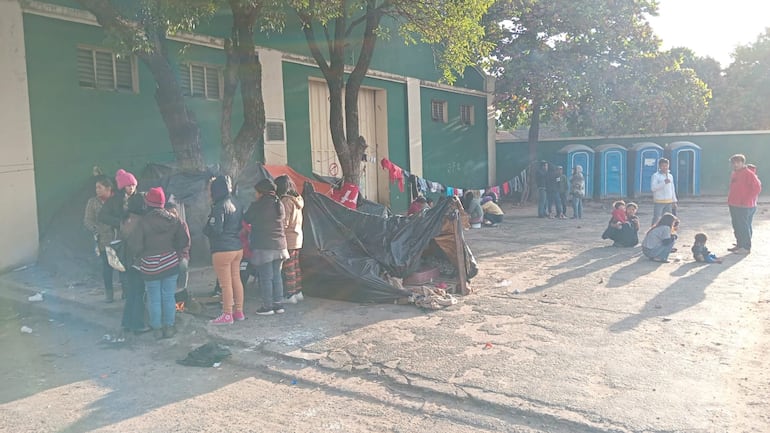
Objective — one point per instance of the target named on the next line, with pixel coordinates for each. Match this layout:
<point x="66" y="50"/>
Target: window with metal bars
<point x="201" y="81"/>
<point x="438" y="111"/>
<point x="466" y="115"/>
<point x="105" y="70"/>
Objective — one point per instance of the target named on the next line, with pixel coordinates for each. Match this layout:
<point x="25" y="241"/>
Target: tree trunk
<point x="244" y="67"/>
<point x="180" y="122"/>
<point x="182" y="126"/>
<point x="534" y="130"/>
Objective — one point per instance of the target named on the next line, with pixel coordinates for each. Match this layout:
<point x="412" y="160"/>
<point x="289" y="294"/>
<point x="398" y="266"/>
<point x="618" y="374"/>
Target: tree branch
<point x="312" y="43"/>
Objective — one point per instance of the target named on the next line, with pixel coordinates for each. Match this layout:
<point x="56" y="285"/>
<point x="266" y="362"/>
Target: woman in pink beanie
<point x="115" y="210"/>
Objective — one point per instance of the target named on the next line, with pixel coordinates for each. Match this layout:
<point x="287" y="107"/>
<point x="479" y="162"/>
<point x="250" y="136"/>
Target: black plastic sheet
<point x="347" y="254"/>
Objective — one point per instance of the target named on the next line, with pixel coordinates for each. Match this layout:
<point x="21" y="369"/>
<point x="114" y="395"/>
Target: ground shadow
<point x="603" y="257"/>
<point x="679" y="296"/>
<point x="628" y="273"/>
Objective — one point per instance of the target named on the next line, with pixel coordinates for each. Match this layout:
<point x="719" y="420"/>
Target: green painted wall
<point x="716" y="149"/>
<point x="454" y="154"/>
<point x="74" y="128"/>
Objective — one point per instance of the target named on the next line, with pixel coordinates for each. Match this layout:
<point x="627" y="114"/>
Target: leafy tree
<point x="335" y="28"/>
<point x="141" y="28"/>
<point x="547" y="47"/>
<point x="647" y="94"/>
<point x="743" y="101"/>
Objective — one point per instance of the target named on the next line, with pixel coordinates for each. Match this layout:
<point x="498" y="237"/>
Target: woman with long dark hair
<point x="103" y="233"/>
<point x="268" y="245"/>
<point x="223" y="228"/>
<point x="659" y="240"/>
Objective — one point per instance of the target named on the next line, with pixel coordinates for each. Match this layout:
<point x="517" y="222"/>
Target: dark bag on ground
<point x="206" y="355"/>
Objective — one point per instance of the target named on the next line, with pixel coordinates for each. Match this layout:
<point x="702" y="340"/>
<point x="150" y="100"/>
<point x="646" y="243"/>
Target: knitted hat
<point x="124" y="179"/>
<point x="155" y="197"/>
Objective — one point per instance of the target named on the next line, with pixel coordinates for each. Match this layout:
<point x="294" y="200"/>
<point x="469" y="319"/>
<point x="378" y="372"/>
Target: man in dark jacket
<point x="541" y="180"/>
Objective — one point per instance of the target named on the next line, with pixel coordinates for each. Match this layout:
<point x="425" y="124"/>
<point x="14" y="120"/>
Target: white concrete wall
<point x="414" y="109"/>
<point x="18" y="214"/>
<point x="272" y="94"/>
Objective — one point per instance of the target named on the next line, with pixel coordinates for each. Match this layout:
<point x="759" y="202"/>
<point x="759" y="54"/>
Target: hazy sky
<point x="711" y="27"/>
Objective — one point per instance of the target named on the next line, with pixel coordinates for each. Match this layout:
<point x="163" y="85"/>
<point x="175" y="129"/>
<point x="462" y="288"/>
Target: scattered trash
<point x="106" y="337"/>
<point x="601" y="280"/>
<point x="503" y="283"/>
<point x="207" y="355"/>
<point x="294" y="381"/>
<point x="37" y="297"/>
<point x="216" y="364"/>
<point x="487" y="346"/>
<point x="515" y="291"/>
<point x="26" y="330"/>
<point x="21" y="268"/>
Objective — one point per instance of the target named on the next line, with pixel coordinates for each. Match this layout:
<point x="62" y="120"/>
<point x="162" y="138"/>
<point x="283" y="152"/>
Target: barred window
<point x="201" y="81"/>
<point x="438" y="111"/>
<point x="105" y="70"/>
<point x="466" y="115"/>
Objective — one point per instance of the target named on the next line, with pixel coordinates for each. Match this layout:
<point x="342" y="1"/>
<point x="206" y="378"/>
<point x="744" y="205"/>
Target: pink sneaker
<point x="223" y="319"/>
<point x="238" y="316"/>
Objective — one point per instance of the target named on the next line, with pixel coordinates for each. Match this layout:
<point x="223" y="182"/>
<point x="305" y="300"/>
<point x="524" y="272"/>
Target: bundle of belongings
<point x="206" y="356"/>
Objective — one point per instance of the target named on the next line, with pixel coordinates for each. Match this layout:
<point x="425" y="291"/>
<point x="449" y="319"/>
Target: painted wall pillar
<point x="276" y="152"/>
<point x="18" y="232"/>
<point x="489" y="87"/>
<point x="414" y="121"/>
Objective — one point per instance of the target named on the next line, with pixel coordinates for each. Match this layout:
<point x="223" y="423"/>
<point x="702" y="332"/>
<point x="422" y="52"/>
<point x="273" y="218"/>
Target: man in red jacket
<point x="742" y="200"/>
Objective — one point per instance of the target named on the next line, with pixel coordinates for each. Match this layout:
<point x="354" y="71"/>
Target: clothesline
<point x="420" y="186"/>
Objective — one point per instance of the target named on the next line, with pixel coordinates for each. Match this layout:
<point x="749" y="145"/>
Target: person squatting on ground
<point x="292" y="227"/>
<point x="493" y="215"/>
<point x="158" y="242"/>
<point x="541" y="181"/>
<point x="103" y="233"/>
<point x="577" y="191"/>
<point x="133" y="285"/>
<point x="659" y="240"/>
<point x="268" y="245"/>
<point x="663" y="192"/>
<point x="223" y="227"/>
<point x="624" y="234"/>
<point x="552" y="189"/>
<point x="472" y="206"/>
<point x="563" y="190"/>
<point x="700" y="252"/>
<point x="742" y="202"/>
<point x="114" y="210"/>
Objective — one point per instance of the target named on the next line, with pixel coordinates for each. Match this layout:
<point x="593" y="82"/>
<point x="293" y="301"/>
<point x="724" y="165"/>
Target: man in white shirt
<point x="663" y="194"/>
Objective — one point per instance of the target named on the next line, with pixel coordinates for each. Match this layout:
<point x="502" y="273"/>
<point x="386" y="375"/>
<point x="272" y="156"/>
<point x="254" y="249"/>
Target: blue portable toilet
<point x="579" y="154"/>
<point x="643" y="163"/>
<point x="685" y="167"/>
<point x="611" y="170"/>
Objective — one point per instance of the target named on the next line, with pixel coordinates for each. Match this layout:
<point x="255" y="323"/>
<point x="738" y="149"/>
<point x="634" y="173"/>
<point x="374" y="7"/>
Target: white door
<point x="324" y="157"/>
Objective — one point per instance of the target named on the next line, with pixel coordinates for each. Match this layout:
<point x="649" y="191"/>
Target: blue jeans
<point x="542" y="202"/>
<point x="742" y="217"/>
<point x="161" y="304"/>
<point x="554" y="200"/>
<point x="659" y="209"/>
<point x="660" y="252"/>
<point x="270" y="283"/>
<point x="577" y="207"/>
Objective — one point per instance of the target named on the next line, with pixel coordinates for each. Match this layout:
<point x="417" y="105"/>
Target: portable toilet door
<point x="685" y="167"/>
<point x="611" y="170"/>
<point x="582" y="155"/>
<point x="643" y="163"/>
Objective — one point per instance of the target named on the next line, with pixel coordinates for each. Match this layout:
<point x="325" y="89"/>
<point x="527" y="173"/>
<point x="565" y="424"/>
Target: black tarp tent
<point x="348" y="255"/>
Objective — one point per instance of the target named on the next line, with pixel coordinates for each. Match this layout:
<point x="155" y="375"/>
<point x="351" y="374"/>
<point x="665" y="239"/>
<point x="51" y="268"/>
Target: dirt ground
<point x="563" y="334"/>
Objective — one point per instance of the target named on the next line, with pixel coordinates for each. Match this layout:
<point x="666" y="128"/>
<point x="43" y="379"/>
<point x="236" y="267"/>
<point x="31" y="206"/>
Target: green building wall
<point x="716" y="149"/>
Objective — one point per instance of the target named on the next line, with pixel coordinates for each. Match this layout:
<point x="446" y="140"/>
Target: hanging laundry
<point x="422" y="185"/>
<point x="496" y="190"/>
<point x="450" y="191"/>
<point x="395" y="173"/>
<point x="506" y="188"/>
<point x="413" y="187"/>
<point x="346" y="195"/>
